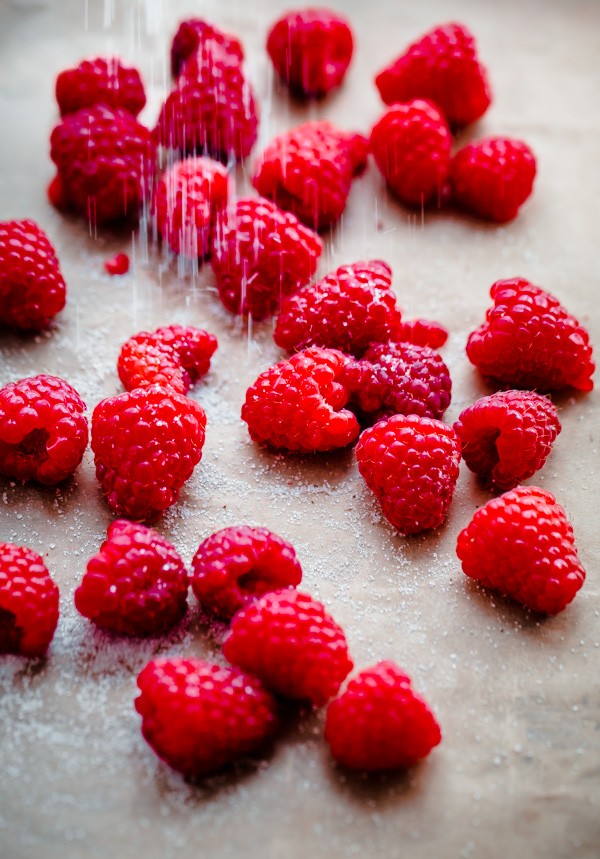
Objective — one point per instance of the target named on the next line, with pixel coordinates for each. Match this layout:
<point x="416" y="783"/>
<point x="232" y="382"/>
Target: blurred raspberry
<point x="103" y="80"/>
<point x="423" y="332"/>
<point x="192" y="35"/>
<point x="28" y="602"/>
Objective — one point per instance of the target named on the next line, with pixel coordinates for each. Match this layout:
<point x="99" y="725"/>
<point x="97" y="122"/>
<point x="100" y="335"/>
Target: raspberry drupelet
<point x="28" y="602"/>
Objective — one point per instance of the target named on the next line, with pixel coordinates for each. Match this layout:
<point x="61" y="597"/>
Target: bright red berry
<point x="528" y="340"/>
<point x="423" y="332"/>
<point x="288" y="640"/>
<point x="28" y="602"/>
<point x="104" y="80"/>
<point x="379" y="722"/>
<point x="192" y="35"/>
<point x="521" y="544"/>
<point x="117" y="265"/>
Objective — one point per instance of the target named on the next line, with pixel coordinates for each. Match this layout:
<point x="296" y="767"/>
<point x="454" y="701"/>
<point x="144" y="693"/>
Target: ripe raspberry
<point x="379" y="723"/>
<point x="298" y="404"/>
<point x="136" y="585"/>
<point x="288" y="640"/>
<point x="105" y="160"/>
<point x="441" y="66"/>
<point x="310" y="50"/>
<point x="423" y="332"/>
<point x="28" y="602"/>
<point x="411" y="464"/>
<point x="507" y="436"/>
<point x="43" y="429"/>
<point x="493" y="178"/>
<point x="522" y="545"/>
<point x="175" y="357"/>
<point x="189" y="197"/>
<point x="411" y="145"/>
<point x="100" y="81"/>
<point x="309" y="170"/>
<point x="193" y="35"/>
<point x="234" y="566"/>
<point x="261" y="254"/>
<point x="146" y="445"/>
<point x="32" y="288"/>
<point x="528" y="340"/>
<point x="200" y="717"/>
<point x="117" y="265"/>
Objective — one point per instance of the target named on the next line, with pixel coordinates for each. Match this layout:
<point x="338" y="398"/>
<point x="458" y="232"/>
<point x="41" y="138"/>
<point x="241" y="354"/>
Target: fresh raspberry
<point x="28" y="602"/>
<point x="43" y="429"/>
<point x="234" y="566"/>
<point x="117" y="265"/>
<point x="522" y="545"/>
<point x="411" y="464"/>
<point x="441" y="66"/>
<point x="310" y="50"/>
<point x="423" y="332"/>
<point x="104" y="80"/>
<point x="288" y="640"/>
<point x="200" y="717"/>
<point x="105" y="160"/>
<point x="379" y="722"/>
<point x="411" y="145"/>
<point x="528" y="340"/>
<point x="507" y="436"/>
<point x="136" y="585"/>
<point x="193" y="35"/>
<point x="175" y="357"/>
<point x="189" y="197"/>
<point x="493" y="178"/>
<point x="298" y="404"/>
<point x="32" y="288"/>
<point x="146" y="445"/>
<point x="260" y="255"/>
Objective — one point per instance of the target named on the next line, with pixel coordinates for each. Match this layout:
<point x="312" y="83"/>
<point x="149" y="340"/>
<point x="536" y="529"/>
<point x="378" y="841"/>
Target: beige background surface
<point x="518" y="698"/>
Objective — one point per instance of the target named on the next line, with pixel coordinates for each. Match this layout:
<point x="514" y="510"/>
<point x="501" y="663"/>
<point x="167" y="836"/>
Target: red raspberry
<point x="411" y="464"/>
<point x="298" y="404"/>
<point x="522" y="545"/>
<point x="43" y="429"/>
<point x="200" y="717"/>
<point x="309" y="170"/>
<point x="105" y="161"/>
<point x="528" y="340"/>
<point x="28" y="602"/>
<point x="507" y="436"/>
<point x="193" y="35"/>
<point x="261" y="254"/>
<point x="136" y="585"/>
<point x="411" y="145"/>
<point x="234" y="566"/>
<point x="189" y="197"/>
<point x="423" y="332"/>
<point x="310" y="50"/>
<point x="441" y="66"/>
<point x="379" y="723"/>
<point x="104" y="80"/>
<point x="32" y="288"/>
<point x="146" y="445"/>
<point x="493" y="178"/>
<point x="117" y="265"/>
<point x="288" y="640"/>
<point x="347" y="310"/>
<point x="174" y="357"/>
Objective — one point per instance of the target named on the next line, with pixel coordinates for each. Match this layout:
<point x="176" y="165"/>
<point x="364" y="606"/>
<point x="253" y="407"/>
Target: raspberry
<point x="310" y="50"/>
<point x="146" y="445"/>
<point x="234" y="566"/>
<point x="189" y="196"/>
<point x="298" y="404"/>
<point x="100" y="81"/>
<point x="117" y="265"/>
<point x="32" y="288"/>
<point x="28" y="602"/>
<point x="192" y="35"/>
<point x="522" y="545"/>
<point x="261" y="254"/>
<point x="309" y="170"/>
<point x="174" y="357"/>
<point x="411" y="464"/>
<point x="411" y="145"/>
<point x="346" y="310"/>
<point x="493" y="178"/>
<point x="43" y="429"/>
<point x="136" y="585"/>
<point x="528" y="340"/>
<point x="288" y="640"/>
<point x="423" y="332"/>
<point x="507" y="436"/>
<point x="105" y="160"/>
<point x="441" y="66"/>
<point x="200" y="717"/>
<point x="379" y="722"/>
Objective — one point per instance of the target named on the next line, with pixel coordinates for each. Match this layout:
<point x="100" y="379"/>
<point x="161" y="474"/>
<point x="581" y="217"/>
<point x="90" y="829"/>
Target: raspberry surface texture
<point x="28" y="602"/>
<point x="522" y="545"/>
<point x="103" y="80"/>
<point x="192" y="35"/>
<point x="423" y="332"/>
